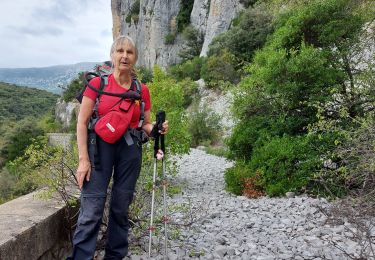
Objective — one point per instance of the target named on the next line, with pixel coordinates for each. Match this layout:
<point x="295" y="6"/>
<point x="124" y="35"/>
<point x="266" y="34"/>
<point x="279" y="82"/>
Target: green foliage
<point x="128" y="19"/>
<point x="190" y="89"/>
<point x="204" y="125"/>
<point x="194" y="42"/>
<point x="301" y="85"/>
<point x="41" y="165"/>
<point x="17" y="102"/>
<point x="220" y="68"/>
<point x="284" y="164"/>
<point x="7" y="182"/>
<point x="18" y="136"/>
<point x="170" y="38"/>
<point x="247" y="3"/>
<point x="74" y="87"/>
<point x="135" y="7"/>
<point x="168" y="95"/>
<point x="249" y="34"/>
<point x="234" y="177"/>
<point x="21" y="171"/>
<point x="183" y="17"/>
<point x="144" y="74"/>
<point x="349" y="164"/>
<point x="220" y="151"/>
<point x="188" y="69"/>
<point x="134" y="12"/>
<point x="244" y="136"/>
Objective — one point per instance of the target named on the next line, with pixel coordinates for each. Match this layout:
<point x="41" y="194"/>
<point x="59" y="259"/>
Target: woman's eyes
<point x="122" y="51"/>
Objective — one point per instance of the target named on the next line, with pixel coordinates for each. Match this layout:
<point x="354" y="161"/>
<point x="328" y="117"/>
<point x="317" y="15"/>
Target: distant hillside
<point x="46" y="78"/>
<point x="17" y="102"/>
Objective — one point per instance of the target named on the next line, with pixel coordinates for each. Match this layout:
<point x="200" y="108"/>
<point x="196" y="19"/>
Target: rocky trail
<point x="224" y="226"/>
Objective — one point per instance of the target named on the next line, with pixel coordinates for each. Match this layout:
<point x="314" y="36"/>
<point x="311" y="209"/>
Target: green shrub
<point x="74" y="87"/>
<point x="169" y="38"/>
<point x="234" y="177"/>
<point x="144" y="74"/>
<point x="193" y="46"/>
<point x="247" y="3"/>
<point x="204" y="125"/>
<point x="19" y="136"/>
<point x="183" y="17"/>
<point x="219" y="68"/>
<point x="128" y="18"/>
<point x="242" y="40"/>
<point x="168" y="95"/>
<point x="244" y="136"/>
<point x="134" y="10"/>
<point x="190" y="89"/>
<point x="188" y="69"/>
<point x="284" y="164"/>
<point x="217" y="150"/>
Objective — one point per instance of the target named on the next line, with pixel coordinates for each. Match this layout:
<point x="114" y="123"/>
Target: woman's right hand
<point x="83" y="171"/>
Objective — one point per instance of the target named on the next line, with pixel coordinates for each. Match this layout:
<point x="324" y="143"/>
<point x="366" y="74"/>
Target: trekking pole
<point x="158" y="154"/>
<point x="151" y="228"/>
<point x="165" y="218"/>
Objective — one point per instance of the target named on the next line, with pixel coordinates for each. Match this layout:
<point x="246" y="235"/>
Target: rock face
<point x="157" y="19"/>
<point x="220" y="103"/>
<point x="64" y="112"/>
<point x="218" y="18"/>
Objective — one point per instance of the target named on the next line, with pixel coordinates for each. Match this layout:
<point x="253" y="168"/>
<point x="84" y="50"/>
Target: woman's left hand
<point x="165" y="128"/>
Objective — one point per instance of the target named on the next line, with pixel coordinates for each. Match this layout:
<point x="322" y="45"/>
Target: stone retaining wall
<point x="33" y="228"/>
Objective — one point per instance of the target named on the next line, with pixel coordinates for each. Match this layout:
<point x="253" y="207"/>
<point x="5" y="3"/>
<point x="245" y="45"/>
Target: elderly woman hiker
<point x="120" y="157"/>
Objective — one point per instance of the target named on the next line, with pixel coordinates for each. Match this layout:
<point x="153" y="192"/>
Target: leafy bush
<point x="302" y="83"/>
<point x="349" y="165"/>
<point x="247" y="3"/>
<point x="134" y="12"/>
<point x="219" y="68"/>
<point x="183" y="17"/>
<point x="19" y="136"/>
<point x="168" y="95"/>
<point x="284" y="164"/>
<point x="204" y="125"/>
<point x="190" y="89"/>
<point x="220" y="151"/>
<point x="169" y="38"/>
<point x="242" y="40"/>
<point x="74" y="87"/>
<point x="194" y="42"/>
<point x="188" y="69"/>
<point x="21" y="170"/>
<point x="144" y="74"/>
<point x="234" y="177"/>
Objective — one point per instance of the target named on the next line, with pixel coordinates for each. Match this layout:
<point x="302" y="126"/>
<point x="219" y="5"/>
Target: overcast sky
<point x="39" y="33"/>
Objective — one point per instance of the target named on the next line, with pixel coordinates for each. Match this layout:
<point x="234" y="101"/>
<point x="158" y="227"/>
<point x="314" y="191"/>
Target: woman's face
<point x="124" y="57"/>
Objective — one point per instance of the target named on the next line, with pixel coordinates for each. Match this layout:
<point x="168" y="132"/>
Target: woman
<point x="122" y="159"/>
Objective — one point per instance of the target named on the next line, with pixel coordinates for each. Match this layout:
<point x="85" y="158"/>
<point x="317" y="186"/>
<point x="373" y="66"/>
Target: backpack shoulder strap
<point x="103" y="84"/>
<point x="138" y="88"/>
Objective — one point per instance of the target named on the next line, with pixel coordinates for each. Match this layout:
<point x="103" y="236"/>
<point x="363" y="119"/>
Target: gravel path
<point x="225" y="226"/>
<point x="234" y="227"/>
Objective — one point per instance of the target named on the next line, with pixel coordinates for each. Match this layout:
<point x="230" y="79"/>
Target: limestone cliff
<point x="157" y="18"/>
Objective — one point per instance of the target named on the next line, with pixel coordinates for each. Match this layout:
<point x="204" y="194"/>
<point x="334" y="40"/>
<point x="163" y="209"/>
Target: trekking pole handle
<point x="160" y="117"/>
